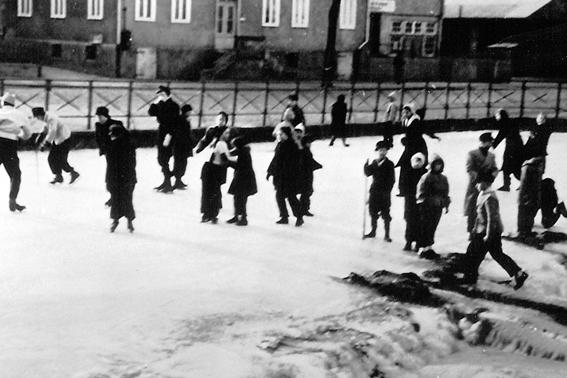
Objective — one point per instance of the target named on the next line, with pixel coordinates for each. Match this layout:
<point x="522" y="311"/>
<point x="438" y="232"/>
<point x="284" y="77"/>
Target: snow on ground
<point x="179" y="298"/>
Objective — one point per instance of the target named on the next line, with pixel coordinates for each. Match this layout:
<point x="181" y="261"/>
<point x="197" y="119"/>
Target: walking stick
<point x="364" y="207"/>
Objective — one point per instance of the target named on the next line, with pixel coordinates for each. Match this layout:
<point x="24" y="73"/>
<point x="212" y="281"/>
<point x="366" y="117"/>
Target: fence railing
<point x="262" y="104"/>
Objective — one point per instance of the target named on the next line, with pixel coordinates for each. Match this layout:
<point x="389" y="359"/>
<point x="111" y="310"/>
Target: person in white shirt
<point x="58" y="134"/>
<point x="14" y="124"/>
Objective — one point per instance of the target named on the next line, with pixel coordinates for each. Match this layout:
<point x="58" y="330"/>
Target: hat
<point x="382" y="144"/>
<point x="116" y="131"/>
<point x="186" y="108"/>
<point x="164" y="89"/>
<point x="300" y="127"/>
<point x="102" y="110"/>
<point x="38" y="112"/>
<point x="486" y="137"/>
<point x="417" y="160"/>
<point x="392" y="94"/>
<point x="9" y="99"/>
<point x="293" y="97"/>
<point x="410" y="106"/>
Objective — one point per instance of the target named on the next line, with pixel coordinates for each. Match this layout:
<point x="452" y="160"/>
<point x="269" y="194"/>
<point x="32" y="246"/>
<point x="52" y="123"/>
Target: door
<point x="146" y="63"/>
<point x="225" y="30"/>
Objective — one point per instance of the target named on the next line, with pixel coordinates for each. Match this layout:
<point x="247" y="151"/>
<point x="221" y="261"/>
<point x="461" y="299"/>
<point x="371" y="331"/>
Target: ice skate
<point x="14" y="206"/>
<point x="130" y="226"/>
<point x="57" y="180"/>
<point x="74" y="177"/>
<point x="113" y="225"/>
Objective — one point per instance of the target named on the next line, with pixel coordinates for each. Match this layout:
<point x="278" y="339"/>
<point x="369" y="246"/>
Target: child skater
<point x="486" y="236"/>
<point x="243" y="183"/>
<point x="432" y="196"/>
<point x="411" y="209"/>
<point x="383" y="178"/>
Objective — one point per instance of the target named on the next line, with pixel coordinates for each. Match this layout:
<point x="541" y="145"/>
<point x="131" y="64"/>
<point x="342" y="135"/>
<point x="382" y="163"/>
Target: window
<point x="25" y="8"/>
<point x="396" y="27"/>
<point x="58" y="8"/>
<point x="431" y="28"/>
<point x="271" y="13"/>
<point x="95" y="9"/>
<point x="145" y="10"/>
<point x="300" y="13"/>
<point x="181" y="11"/>
<point x="347" y="14"/>
<point x="417" y="28"/>
<point x="429" y="46"/>
<point x="409" y="27"/>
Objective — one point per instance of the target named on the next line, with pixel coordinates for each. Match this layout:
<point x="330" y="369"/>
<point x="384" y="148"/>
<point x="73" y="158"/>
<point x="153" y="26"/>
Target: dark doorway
<point x="374" y="35"/>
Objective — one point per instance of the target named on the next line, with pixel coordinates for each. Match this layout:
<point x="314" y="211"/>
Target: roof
<point x="492" y="8"/>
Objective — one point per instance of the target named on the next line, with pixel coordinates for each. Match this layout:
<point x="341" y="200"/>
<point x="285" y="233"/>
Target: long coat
<point x="244" y="180"/>
<point x="101" y="134"/>
<point x="513" y="153"/>
<point x="284" y="168"/>
<point x="168" y="116"/>
<point x="121" y="176"/>
<point x="477" y="162"/>
<point x="307" y="165"/>
<point x="338" y="119"/>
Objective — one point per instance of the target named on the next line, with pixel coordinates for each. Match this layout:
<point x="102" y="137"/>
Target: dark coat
<point x="513" y="153"/>
<point x="383" y="179"/>
<point x="101" y="134"/>
<point x="182" y="139"/>
<point x="298" y="116"/>
<point x="244" y="179"/>
<point x="168" y="117"/>
<point x="121" y="176"/>
<point x="338" y="119"/>
<point x="307" y="165"/>
<point x="284" y="167"/>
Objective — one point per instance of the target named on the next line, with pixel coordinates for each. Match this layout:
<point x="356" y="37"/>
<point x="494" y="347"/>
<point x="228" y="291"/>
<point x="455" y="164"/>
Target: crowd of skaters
<point x="421" y="180"/>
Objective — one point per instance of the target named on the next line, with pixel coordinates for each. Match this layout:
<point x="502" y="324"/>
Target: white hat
<point x="8" y="98"/>
<point x="300" y="127"/>
<point x="417" y="160"/>
<point x="392" y="95"/>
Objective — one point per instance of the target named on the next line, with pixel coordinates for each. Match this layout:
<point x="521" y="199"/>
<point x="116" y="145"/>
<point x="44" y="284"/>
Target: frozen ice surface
<point x="178" y="298"/>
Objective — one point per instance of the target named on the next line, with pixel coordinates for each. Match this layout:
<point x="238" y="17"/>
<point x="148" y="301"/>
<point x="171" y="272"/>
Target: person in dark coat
<point x="167" y="113"/>
<point x="307" y="165"/>
<point x="102" y="133"/>
<point x="182" y="146"/>
<point x="243" y="183"/>
<point x="513" y="154"/>
<point x="339" y="112"/>
<point x="413" y="143"/>
<point x="379" y="200"/>
<point x="411" y="209"/>
<point x="297" y="112"/>
<point x="284" y="168"/>
<point x="121" y="176"/>
<point x="533" y="167"/>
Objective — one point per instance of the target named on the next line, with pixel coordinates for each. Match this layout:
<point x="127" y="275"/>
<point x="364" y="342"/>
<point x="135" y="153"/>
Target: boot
<point x="299" y="221"/>
<point x="14" y="206"/>
<point x="520" y="278"/>
<point x="243" y="221"/>
<point x="387" y="231"/>
<point x="233" y="220"/>
<point x="506" y="186"/>
<point x="345" y="143"/>
<point x="561" y="209"/>
<point x="283" y="220"/>
<point x="372" y="234"/>
<point x="114" y="225"/>
<point x="180" y="185"/>
<point x="165" y="186"/>
<point x="74" y="176"/>
<point x="57" y="180"/>
<point x="130" y="226"/>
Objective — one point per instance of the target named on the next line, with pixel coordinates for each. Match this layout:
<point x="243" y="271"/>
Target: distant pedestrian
<point x="391" y="116"/>
<point x="102" y="133"/>
<point x="533" y="167"/>
<point x="339" y="112"/>
<point x="432" y="197"/>
<point x="167" y="114"/>
<point x="379" y="200"/>
<point x="479" y="161"/>
<point x="513" y="153"/>
<point x="59" y="136"/>
<point x="411" y="209"/>
<point x="399" y="62"/>
<point x="182" y="146"/>
<point x="14" y="125"/>
<point x="284" y="168"/>
<point x="121" y="176"/>
<point x="487" y="235"/>
<point x="307" y="166"/>
<point x="243" y="184"/>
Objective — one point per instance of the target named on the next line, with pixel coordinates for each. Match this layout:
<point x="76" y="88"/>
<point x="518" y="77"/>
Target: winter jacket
<point x="11" y="122"/>
<point x="57" y="131"/>
<point x="433" y="187"/>
<point x="477" y="162"/>
<point x="284" y="167"/>
<point x="488" y="219"/>
<point x="167" y="114"/>
<point x="513" y="153"/>
<point x="244" y="179"/>
<point x="101" y="134"/>
<point x="307" y="165"/>
<point x="383" y="175"/>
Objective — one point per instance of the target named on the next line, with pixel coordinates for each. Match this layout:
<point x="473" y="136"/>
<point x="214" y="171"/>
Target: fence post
<point x="90" y="104"/>
<point x="447" y="93"/>
<point x="201" y="103"/>
<point x="522" y="99"/>
<point x="488" y="104"/>
<point x="352" y="90"/>
<point x="47" y="92"/>
<point x="402" y="95"/>
<point x="1" y="87"/>
<point x="377" y="106"/>
<point x="325" y="92"/>
<point x="558" y="102"/>
<point x="265" y="113"/>
<point x="468" y="105"/>
<point x="425" y="96"/>
<point x="234" y="102"/>
<point x="129" y="109"/>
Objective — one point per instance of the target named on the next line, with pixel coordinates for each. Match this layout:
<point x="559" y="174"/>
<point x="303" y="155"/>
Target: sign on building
<point x="382" y="5"/>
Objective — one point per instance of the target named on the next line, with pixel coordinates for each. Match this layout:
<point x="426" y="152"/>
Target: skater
<point x="121" y="176"/>
<point x="390" y="118"/>
<point x="533" y="167"/>
<point x="243" y="183"/>
<point x="14" y="124"/>
<point x="413" y="143"/>
<point x="479" y="161"/>
<point x="297" y="112"/>
<point x="59" y="136"/>
<point x="167" y="113"/>
<point x="212" y="132"/>
<point x="411" y="209"/>
<point x="379" y="200"/>
<point x="102" y="133"/>
<point x="339" y="112"/>
<point x="487" y="234"/>
<point x="512" y="162"/>
<point x="307" y="165"/>
<point x="432" y="197"/>
<point x="284" y="168"/>
<point x="213" y="176"/>
<point x="182" y="146"/>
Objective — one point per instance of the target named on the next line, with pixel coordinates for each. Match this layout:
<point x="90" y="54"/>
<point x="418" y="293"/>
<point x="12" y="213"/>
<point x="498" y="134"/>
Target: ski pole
<point x="364" y="207"/>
